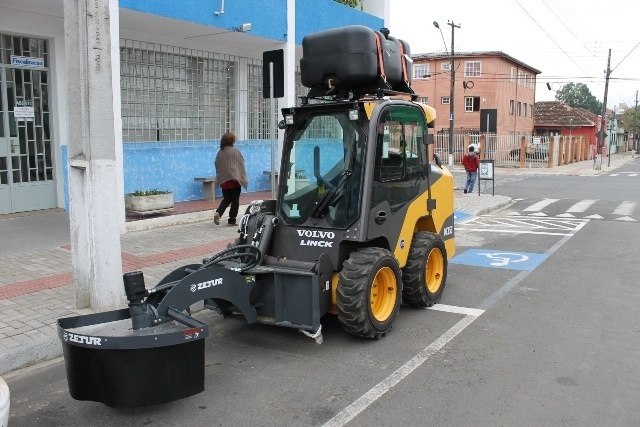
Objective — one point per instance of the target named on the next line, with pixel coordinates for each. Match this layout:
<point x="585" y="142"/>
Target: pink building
<point x="492" y="90"/>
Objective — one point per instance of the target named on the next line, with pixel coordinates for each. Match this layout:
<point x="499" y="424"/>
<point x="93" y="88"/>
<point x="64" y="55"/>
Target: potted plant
<point x="141" y="201"/>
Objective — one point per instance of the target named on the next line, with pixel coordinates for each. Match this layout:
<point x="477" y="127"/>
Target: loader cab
<point x="351" y="169"/>
<point x="323" y="158"/>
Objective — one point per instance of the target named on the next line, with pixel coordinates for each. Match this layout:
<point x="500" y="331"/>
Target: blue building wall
<point x="174" y="165"/>
<point x="318" y="15"/>
<point x="268" y="18"/>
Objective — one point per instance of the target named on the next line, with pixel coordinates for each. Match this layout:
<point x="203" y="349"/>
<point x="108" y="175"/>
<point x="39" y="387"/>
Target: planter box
<point x="148" y="204"/>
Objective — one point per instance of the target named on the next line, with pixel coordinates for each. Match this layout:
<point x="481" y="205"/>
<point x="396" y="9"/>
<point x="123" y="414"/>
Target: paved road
<point x="535" y="328"/>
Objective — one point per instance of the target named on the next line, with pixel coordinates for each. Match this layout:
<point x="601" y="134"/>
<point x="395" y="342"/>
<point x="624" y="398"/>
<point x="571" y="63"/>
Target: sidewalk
<point x="35" y="275"/>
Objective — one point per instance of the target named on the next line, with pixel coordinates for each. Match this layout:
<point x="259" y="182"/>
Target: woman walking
<point x="231" y="176"/>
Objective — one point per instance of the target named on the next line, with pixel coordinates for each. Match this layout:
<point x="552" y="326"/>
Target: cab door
<point x="399" y="175"/>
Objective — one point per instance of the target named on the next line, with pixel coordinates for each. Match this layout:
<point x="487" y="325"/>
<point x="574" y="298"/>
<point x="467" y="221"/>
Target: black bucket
<point x="106" y="361"/>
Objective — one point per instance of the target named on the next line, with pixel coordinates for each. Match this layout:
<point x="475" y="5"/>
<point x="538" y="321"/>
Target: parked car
<point x="533" y="151"/>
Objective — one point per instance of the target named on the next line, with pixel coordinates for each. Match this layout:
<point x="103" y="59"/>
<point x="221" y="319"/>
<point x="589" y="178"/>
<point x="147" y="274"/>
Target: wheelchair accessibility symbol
<point x="499" y="259"/>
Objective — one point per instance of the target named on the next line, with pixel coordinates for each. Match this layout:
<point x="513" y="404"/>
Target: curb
<point x="506" y="202"/>
<point x="38" y="351"/>
<point x="168" y="221"/>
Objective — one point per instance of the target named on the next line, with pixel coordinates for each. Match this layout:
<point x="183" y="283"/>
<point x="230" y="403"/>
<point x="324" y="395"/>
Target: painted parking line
<point x="363" y="402"/>
<point x="456" y="309"/>
<point x="509" y="260"/>
<point x="366" y="400"/>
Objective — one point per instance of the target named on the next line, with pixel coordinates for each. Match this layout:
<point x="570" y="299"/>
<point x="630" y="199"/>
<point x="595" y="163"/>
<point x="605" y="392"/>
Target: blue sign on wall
<point x="496" y="258"/>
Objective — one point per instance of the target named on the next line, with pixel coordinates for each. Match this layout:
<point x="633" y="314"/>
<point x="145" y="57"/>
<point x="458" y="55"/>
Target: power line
<point x="625" y="57"/>
<point x="548" y="35"/>
<point x="568" y="28"/>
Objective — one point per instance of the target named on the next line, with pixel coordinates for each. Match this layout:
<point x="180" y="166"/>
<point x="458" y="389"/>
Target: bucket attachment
<point x="109" y="362"/>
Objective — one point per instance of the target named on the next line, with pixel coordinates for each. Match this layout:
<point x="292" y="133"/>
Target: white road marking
<point x="633" y="174"/>
<point x="625" y="208"/>
<point x="540" y="205"/>
<point x="581" y="206"/>
<point x="566" y="215"/>
<point x="367" y="399"/>
<point x="524" y="225"/>
<point x="614" y="174"/>
<point x="363" y="402"/>
<point x="493" y="230"/>
<point x="539" y="214"/>
<point x="595" y="216"/>
<point x="457" y="309"/>
<point x="626" y="218"/>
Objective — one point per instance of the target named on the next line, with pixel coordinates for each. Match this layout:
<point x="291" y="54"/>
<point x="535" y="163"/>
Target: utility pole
<point x="451" y="92"/>
<point x="604" y="105"/>
<point x="611" y="138"/>
<point x="96" y="209"/>
<point x="635" y="126"/>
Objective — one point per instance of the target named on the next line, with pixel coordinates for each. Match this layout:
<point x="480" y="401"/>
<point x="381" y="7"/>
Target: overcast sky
<point x="567" y="40"/>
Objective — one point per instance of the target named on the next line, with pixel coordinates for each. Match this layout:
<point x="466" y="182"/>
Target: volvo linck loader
<point x="363" y="221"/>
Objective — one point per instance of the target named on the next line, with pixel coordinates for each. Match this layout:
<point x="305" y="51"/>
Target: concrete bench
<point x="208" y="186"/>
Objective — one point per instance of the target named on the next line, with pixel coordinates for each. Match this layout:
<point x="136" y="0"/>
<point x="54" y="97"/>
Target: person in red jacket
<point x="471" y="162"/>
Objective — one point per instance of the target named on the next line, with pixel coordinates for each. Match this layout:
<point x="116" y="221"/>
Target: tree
<point x="631" y="121"/>
<point x="578" y="95"/>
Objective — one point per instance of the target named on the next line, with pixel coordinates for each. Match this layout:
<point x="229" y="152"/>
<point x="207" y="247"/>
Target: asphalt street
<point x="537" y="326"/>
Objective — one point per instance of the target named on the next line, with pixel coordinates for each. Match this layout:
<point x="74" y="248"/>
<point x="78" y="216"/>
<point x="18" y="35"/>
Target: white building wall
<point x="379" y="8"/>
<point x="17" y="22"/>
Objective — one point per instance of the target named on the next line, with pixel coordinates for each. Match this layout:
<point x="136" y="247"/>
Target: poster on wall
<point x="23" y="110"/>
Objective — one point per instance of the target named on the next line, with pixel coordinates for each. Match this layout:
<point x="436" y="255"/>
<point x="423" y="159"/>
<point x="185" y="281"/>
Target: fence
<point x="516" y="151"/>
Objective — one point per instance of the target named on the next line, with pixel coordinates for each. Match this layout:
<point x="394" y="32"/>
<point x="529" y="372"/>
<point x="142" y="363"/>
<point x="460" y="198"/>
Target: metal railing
<point x="504" y="150"/>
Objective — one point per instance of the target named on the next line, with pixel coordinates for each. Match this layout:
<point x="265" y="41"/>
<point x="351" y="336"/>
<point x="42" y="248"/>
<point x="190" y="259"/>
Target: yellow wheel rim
<point x="434" y="272"/>
<point x="384" y="291"/>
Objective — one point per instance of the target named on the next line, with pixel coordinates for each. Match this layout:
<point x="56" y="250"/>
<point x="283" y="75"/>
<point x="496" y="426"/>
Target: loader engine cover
<point x="354" y="56"/>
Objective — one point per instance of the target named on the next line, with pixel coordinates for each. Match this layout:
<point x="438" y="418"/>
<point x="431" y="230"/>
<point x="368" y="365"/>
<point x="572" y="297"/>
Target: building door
<point x="26" y="157"/>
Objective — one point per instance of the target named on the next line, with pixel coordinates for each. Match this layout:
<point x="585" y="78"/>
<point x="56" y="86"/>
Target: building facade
<point x="493" y="92"/>
<point x="183" y="74"/>
<point x="555" y="118"/>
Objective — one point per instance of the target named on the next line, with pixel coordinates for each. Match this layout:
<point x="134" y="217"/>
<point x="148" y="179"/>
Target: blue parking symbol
<point x="496" y="258"/>
<point x="459" y="217"/>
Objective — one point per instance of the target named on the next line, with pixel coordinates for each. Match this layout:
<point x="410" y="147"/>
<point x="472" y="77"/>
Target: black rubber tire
<point x="421" y="287"/>
<point x="365" y="272"/>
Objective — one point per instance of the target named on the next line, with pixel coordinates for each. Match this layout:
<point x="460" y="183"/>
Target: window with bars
<point x="257" y="106"/>
<point x="472" y="69"/>
<point x="421" y="71"/>
<point x="173" y="94"/>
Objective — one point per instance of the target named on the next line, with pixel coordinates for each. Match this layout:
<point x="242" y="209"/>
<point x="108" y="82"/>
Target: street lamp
<point x="452" y="88"/>
<point x="435" y="24"/>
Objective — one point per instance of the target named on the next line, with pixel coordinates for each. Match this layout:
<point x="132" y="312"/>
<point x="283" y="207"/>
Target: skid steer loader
<point x="363" y="221"/>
